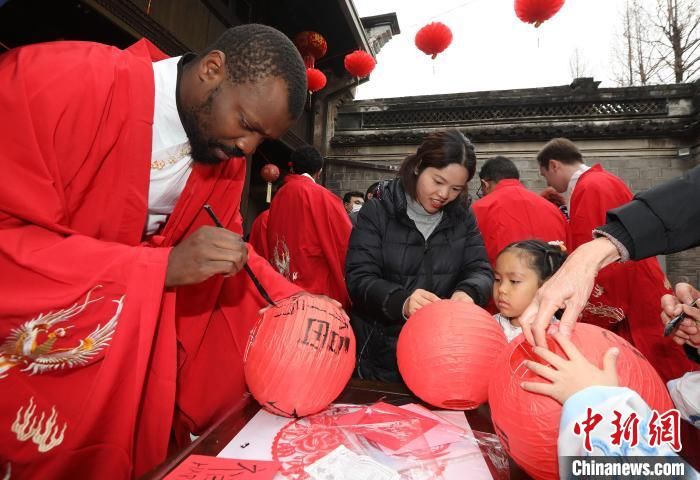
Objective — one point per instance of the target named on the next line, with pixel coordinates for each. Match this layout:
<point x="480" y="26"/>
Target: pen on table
<point x="247" y="269"/>
<point x="675" y="321"/>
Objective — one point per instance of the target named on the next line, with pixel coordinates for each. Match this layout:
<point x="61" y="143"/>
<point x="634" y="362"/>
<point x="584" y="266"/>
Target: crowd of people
<point x="124" y="310"/>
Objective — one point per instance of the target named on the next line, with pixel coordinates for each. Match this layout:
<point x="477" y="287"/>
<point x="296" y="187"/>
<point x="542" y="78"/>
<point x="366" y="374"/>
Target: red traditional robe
<point x="258" y="234"/>
<point x="307" y="237"/>
<point x="98" y="361"/>
<point x="511" y="213"/>
<point x="626" y="298"/>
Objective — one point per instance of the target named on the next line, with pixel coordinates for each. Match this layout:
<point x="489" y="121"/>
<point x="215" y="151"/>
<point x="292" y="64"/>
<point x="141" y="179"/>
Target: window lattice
<point x="466" y="114"/>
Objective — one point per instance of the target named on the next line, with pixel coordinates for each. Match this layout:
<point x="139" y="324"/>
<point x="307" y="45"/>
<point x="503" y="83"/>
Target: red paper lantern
<point x="311" y="45"/>
<point x="359" y="63"/>
<point x="300" y="356"/>
<point x="537" y="11"/>
<point x="528" y="424"/>
<point x="316" y="79"/>
<point x="270" y="173"/>
<point x="433" y="38"/>
<point x="446" y="351"/>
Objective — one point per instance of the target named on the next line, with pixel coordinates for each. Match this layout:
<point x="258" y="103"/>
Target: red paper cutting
<point x="201" y="467"/>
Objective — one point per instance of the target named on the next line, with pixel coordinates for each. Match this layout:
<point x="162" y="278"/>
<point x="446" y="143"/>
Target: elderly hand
<point x="570" y="376"/>
<point x="688" y="330"/>
<point x="569" y="288"/>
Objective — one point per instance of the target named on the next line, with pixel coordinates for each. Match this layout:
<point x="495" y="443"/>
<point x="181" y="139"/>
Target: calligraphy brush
<point x="247" y="269"/>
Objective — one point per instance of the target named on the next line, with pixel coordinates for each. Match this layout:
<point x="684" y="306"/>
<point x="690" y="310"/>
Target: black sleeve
<point x="476" y="274"/>
<point x="662" y="220"/>
<point x="692" y="353"/>
<point x="364" y="265"/>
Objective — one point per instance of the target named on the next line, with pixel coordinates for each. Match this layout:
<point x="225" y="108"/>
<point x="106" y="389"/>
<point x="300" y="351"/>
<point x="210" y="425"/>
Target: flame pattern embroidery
<point x="21" y="348"/>
<point x="44" y="435"/>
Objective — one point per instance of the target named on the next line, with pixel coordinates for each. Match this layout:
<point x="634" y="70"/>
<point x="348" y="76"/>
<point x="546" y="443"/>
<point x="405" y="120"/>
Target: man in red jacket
<point x="626" y="296"/>
<point x="123" y="315"/>
<point x="509" y="212"/>
<point x="308" y="230"/>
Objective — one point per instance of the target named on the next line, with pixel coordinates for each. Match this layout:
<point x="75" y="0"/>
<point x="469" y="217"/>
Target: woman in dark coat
<point x="415" y="244"/>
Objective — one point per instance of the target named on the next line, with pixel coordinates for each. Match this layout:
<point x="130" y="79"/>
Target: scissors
<point x="675" y="321"/>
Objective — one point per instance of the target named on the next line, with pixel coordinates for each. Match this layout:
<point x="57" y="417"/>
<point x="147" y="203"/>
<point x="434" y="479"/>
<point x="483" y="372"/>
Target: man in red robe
<point x="123" y="315"/>
<point x="308" y="230"/>
<point x="258" y="234"/>
<point x="509" y="212"/>
<point x="626" y="297"/>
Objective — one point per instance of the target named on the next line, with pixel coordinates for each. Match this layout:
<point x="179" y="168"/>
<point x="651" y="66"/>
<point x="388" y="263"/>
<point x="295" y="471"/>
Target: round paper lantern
<point x="359" y="63"/>
<point x="299" y="356"/>
<point x="537" y="11"/>
<point x="528" y="424"/>
<point x="446" y="351"/>
<point x="311" y="45"/>
<point x="269" y="172"/>
<point x="315" y="79"/>
<point x="433" y="38"/>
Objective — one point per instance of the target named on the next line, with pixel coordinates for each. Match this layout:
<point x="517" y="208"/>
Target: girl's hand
<point x="418" y="299"/>
<point x="568" y="377"/>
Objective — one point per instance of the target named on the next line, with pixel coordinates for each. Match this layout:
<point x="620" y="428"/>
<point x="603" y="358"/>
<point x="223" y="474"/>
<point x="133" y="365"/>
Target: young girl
<point x="521" y="268"/>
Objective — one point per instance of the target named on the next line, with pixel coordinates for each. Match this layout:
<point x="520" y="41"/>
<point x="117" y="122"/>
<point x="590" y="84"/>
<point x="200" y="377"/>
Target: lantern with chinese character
<point x="312" y="46"/>
<point x="270" y="173"/>
<point x="537" y="11"/>
<point x="446" y="351"/>
<point x="528" y="424"/>
<point x="434" y="38"/>
<point x="359" y="63"/>
<point x="300" y="356"/>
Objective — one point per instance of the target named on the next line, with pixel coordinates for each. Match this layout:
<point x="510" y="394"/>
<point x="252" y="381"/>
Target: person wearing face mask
<point x="415" y="244"/>
<point x="308" y="230"/>
<point x="353" y="201"/>
<point x="121" y="302"/>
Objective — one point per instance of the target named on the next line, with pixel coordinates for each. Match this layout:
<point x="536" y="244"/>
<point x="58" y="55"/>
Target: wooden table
<point x="219" y="435"/>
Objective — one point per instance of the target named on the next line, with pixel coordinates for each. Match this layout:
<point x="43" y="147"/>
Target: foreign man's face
<point x="555" y="176"/>
<point x="234" y="119"/>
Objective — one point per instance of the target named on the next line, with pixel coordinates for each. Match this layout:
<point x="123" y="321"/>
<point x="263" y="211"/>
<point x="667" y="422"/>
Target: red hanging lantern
<point x="315" y="79"/>
<point x="434" y="38"/>
<point x="299" y="356"/>
<point x="537" y="11"/>
<point x="270" y="173"/>
<point x="528" y="424"/>
<point x="359" y="63"/>
<point x="446" y="351"/>
<point x="312" y="46"/>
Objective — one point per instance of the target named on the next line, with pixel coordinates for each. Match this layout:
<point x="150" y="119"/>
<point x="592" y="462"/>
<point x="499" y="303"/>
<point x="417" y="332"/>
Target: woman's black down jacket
<point x="388" y="259"/>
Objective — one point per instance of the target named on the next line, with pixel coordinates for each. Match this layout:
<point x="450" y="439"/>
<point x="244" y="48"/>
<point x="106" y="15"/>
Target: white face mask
<point x="356" y="207"/>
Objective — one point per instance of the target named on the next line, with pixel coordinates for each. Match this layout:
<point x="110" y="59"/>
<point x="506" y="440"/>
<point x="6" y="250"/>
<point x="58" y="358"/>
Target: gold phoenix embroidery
<point x="44" y="435"/>
<point x="21" y="348"/>
<point x="282" y="261"/>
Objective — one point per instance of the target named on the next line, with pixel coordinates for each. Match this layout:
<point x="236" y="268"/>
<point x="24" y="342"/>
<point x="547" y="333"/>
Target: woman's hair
<point x="544" y="258"/>
<point x="438" y="150"/>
